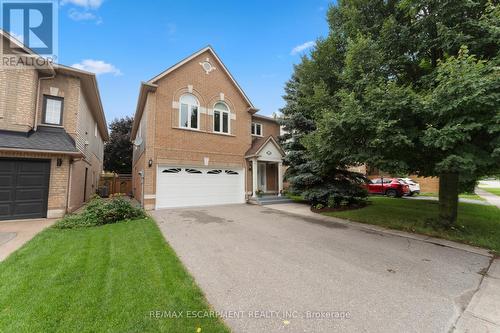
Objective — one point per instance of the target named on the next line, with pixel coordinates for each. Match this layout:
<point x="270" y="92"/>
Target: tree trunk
<point x="448" y="198"/>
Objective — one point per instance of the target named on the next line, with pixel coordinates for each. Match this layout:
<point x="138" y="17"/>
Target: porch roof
<point x="259" y="143"/>
<point x="50" y="139"/>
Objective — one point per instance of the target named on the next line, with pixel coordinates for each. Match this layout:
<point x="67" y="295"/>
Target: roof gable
<point x="262" y="144"/>
<point x="209" y="49"/>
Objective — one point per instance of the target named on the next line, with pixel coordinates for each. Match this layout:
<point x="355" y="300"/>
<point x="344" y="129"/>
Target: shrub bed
<point x="100" y="212"/>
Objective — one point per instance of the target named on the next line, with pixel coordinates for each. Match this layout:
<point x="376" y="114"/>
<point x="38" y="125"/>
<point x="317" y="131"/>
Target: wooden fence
<point x="112" y="183"/>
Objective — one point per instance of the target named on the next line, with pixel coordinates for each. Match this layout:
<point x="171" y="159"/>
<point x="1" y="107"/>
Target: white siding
<point x="86" y="132"/>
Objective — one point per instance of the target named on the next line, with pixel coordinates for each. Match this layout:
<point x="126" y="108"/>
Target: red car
<point x="392" y="187"/>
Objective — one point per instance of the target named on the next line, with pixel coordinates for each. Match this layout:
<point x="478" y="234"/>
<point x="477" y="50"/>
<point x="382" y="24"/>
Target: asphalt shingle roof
<point x="45" y="138"/>
<point x="256" y="144"/>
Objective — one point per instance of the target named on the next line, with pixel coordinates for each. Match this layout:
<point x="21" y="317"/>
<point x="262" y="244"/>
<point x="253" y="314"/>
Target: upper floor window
<point x="53" y="110"/>
<point x="221" y="118"/>
<point x="188" y="112"/>
<point x="95" y="130"/>
<point x="257" y="129"/>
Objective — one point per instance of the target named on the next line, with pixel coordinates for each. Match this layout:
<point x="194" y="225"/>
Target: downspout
<point x="37" y="104"/>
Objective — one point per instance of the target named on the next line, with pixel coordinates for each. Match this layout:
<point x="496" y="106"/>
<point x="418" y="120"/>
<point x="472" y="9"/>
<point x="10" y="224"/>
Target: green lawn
<point x="100" y="279"/>
<point x="478" y="224"/>
<point x="463" y="196"/>
<point x="493" y="190"/>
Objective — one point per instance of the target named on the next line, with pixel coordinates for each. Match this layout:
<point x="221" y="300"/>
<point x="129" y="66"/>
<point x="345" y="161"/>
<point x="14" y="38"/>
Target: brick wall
<point x="68" y="88"/>
<point x="427" y="184"/>
<point x="18" y="89"/>
<point x="269" y="126"/>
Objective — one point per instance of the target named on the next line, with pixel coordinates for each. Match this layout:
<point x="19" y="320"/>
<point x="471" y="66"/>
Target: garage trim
<point x="240" y="197"/>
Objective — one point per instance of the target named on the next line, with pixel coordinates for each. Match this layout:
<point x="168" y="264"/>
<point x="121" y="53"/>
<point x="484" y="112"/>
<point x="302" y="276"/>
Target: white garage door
<point x="191" y="186"/>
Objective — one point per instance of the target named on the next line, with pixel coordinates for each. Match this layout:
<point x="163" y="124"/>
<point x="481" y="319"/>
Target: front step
<point x="269" y="200"/>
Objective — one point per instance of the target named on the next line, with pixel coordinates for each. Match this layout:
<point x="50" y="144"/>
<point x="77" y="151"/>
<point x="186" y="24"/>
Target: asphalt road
<point x="271" y="271"/>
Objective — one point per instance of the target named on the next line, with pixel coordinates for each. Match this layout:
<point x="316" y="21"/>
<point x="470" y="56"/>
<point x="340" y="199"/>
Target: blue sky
<point x="127" y="42"/>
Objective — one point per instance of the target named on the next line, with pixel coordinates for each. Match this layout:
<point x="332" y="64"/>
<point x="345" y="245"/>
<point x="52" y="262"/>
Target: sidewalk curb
<point x="482" y="314"/>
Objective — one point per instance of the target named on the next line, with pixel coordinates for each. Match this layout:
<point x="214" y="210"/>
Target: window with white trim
<point x="257" y="129"/>
<point x="221" y="118"/>
<point x="188" y="112"/>
<point x="53" y="110"/>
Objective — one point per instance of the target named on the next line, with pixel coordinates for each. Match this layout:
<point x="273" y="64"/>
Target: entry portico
<point x="265" y="158"/>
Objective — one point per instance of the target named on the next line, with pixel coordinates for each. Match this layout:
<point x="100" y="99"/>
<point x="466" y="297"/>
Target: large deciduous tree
<point x="410" y="86"/>
<point x="118" y="150"/>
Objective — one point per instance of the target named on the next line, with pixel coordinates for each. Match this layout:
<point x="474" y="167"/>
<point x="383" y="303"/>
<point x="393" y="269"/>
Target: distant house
<point x="52" y="132"/>
<point x="199" y="140"/>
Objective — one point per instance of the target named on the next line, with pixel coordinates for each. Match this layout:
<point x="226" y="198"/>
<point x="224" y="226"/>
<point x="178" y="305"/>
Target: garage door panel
<point x="6" y="180"/>
<point x="4" y="210"/>
<point x="27" y="208"/>
<point x="32" y="180"/>
<point x="181" y="189"/>
<point x="7" y="166"/>
<point x="24" y="188"/>
<point x="34" y="167"/>
<point x="29" y="194"/>
<point x="6" y="195"/>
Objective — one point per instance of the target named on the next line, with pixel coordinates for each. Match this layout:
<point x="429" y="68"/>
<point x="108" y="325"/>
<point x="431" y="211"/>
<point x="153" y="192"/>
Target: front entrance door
<point x="272" y="177"/>
<point x="261" y="177"/>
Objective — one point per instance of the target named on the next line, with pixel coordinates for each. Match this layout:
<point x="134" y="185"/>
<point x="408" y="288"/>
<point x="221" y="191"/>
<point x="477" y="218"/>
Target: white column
<point x="280" y="178"/>
<point x="254" y="177"/>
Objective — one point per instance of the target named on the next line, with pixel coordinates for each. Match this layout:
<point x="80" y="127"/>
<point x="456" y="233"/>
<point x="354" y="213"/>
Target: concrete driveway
<point x="14" y="234"/>
<point x="271" y="271"/>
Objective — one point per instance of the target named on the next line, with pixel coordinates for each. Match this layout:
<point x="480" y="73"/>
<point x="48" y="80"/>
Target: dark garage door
<point x="24" y="188"/>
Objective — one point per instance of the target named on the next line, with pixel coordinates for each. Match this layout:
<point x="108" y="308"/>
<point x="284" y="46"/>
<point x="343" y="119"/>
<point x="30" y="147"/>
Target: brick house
<point x="52" y="133"/>
<point x="198" y="139"/>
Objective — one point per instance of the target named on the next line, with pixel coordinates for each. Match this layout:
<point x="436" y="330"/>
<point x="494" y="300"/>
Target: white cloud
<point x="299" y="48"/>
<point x="98" y="67"/>
<point x="76" y="15"/>
<point x="94" y="4"/>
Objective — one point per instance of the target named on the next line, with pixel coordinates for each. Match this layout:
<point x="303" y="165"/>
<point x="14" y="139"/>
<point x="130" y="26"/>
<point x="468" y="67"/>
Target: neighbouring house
<point x="52" y="132"/>
<point x="198" y="140"/>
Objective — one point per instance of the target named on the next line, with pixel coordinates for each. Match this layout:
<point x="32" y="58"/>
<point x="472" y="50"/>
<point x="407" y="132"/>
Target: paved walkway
<point x="283" y="268"/>
<point x="14" y="234"/>
<point x="490" y="197"/>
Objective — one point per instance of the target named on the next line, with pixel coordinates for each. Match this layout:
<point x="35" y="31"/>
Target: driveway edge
<point x="303" y="210"/>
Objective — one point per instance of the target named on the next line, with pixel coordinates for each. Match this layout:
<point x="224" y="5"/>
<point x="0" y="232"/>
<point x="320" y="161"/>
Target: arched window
<point x="188" y="112"/>
<point x="222" y="118"/>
